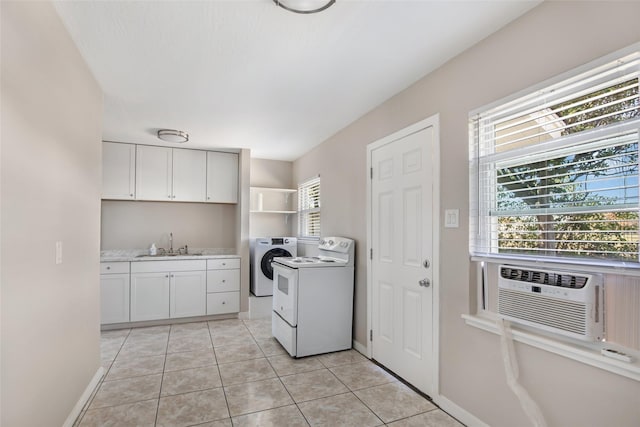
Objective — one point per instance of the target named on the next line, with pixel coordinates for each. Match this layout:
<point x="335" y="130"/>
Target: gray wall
<point x="50" y="187"/>
<point x="551" y="39"/>
<point x="135" y="225"/>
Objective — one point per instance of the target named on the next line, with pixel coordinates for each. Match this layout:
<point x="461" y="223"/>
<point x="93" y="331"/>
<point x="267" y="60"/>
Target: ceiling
<point x="248" y="74"/>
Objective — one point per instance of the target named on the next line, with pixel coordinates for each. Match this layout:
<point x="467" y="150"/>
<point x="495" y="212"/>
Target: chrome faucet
<point x="170" y="243"/>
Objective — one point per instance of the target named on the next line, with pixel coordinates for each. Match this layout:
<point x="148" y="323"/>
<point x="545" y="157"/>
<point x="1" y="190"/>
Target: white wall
<point x="135" y="225"/>
<point x="50" y="191"/>
<point x="242" y="225"/>
<point x="553" y="38"/>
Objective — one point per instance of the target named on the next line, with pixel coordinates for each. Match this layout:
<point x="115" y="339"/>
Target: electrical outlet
<point x="58" y="252"/>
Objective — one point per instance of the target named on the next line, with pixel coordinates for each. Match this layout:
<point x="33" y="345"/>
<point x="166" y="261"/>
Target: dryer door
<point x="265" y="264"/>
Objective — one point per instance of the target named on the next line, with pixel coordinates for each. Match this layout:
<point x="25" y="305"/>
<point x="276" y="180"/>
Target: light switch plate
<point x="58" y="252"/>
<point x="451" y="218"/>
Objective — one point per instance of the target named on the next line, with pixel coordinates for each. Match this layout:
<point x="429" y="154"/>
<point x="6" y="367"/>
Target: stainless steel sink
<point x="174" y="254"/>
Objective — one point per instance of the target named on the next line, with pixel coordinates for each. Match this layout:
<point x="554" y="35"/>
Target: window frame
<point x="304" y="211"/>
<point x="483" y="233"/>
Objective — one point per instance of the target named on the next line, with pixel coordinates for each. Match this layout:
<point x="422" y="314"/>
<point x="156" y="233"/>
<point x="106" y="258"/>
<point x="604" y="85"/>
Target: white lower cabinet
<point x="168" y="289"/>
<point x="156" y="290"/>
<point x="149" y="296"/>
<point x="114" y="292"/>
<point x="114" y="298"/>
<point x="187" y="294"/>
<point x="223" y="286"/>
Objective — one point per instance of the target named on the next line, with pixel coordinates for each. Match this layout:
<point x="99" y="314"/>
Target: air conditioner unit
<point x="565" y="303"/>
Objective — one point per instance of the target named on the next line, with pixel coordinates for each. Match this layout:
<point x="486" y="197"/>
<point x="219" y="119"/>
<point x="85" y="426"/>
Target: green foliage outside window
<point x="583" y="203"/>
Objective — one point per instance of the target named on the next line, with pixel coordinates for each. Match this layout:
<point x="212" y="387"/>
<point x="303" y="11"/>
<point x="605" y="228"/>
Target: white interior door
<point x="402" y="246"/>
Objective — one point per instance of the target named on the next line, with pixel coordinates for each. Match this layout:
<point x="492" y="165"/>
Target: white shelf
<point x="278" y="212"/>
<point x="272" y="200"/>
<point x="273" y="190"/>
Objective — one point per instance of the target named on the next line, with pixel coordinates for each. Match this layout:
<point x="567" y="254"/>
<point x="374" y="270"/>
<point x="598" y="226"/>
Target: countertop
<point x="134" y="255"/>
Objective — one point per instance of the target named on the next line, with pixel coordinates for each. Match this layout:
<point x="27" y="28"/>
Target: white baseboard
<point x="457" y="412"/>
<point x="361" y="348"/>
<point x="86" y="395"/>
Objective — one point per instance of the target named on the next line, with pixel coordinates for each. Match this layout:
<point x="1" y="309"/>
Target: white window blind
<point x="554" y="173"/>
<point x="309" y="208"/>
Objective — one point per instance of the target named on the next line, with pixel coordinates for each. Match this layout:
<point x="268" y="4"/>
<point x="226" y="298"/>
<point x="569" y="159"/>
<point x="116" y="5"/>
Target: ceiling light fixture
<point x="304" y="6"/>
<point x="171" y="135"/>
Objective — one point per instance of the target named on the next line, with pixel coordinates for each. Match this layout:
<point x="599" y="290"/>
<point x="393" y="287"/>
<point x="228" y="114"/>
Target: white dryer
<point x="263" y="250"/>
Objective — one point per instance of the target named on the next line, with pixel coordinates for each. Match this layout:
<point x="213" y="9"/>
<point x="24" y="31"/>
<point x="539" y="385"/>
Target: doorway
<point x="402" y="285"/>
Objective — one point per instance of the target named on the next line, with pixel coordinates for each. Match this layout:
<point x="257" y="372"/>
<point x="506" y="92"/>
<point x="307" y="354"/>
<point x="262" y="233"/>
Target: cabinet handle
<point x="131" y="194"/>
<point x="108" y="268"/>
<point x="224" y="263"/>
<point x="223" y="281"/>
<point x="208" y="198"/>
<point x="223" y="302"/>
<point x="167" y="276"/>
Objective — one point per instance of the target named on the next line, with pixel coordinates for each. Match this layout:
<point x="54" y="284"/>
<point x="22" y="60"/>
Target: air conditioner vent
<point x="564" y="280"/>
<point x="565" y="303"/>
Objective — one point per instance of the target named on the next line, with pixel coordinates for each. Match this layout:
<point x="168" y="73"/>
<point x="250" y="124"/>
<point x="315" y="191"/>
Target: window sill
<point x="592" y="357"/>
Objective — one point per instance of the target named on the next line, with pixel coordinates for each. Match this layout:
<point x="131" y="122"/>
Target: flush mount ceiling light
<point x="171" y="135"/>
<point x="304" y="6"/>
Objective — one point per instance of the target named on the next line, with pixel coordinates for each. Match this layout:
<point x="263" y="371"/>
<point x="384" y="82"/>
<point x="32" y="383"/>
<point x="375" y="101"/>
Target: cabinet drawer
<point x="223" y="280"/>
<point x="223" y="263"/>
<point x="114" y="267"/>
<point x="161" y="266"/>
<point x="223" y="302"/>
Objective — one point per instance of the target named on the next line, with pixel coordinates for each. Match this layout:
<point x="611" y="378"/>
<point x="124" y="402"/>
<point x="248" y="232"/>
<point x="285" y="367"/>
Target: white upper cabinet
<point x="148" y="172"/>
<point x="154" y="173"/>
<point x="222" y="177"/>
<point x="118" y="171"/>
<point x="189" y="175"/>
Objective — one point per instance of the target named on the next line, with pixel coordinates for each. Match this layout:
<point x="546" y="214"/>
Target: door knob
<point x="424" y="283"/>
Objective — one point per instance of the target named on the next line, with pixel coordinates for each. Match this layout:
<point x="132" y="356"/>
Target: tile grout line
<point x="164" y="365"/>
<point x="224" y="392"/>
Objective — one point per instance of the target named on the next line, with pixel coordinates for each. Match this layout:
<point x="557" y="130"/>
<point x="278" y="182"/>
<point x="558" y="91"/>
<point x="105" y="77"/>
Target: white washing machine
<point x="263" y="250"/>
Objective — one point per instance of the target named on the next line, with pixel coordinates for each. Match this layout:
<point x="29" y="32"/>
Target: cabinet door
<point x="188" y="294"/>
<point x="222" y="177"/>
<point x="189" y="175"/>
<point x="149" y="296"/>
<point x="114" y="298"/>
<point x="153" y="173"/>
<point x="118" y="171"/>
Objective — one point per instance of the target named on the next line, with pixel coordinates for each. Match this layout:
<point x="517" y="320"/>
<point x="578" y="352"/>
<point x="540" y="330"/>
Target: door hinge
<point x="371" y="253"/>
<point x="370" y="334"/>
<point x="370" y="173"/>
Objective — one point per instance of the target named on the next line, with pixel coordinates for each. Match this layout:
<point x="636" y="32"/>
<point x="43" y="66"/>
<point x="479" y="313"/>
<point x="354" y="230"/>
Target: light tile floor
<point x="234" y="373"/>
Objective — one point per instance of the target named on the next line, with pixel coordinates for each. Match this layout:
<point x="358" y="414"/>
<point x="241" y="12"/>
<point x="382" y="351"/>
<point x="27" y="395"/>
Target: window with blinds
<point x="554" y="173"/>
<point x="309" y="208"/>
